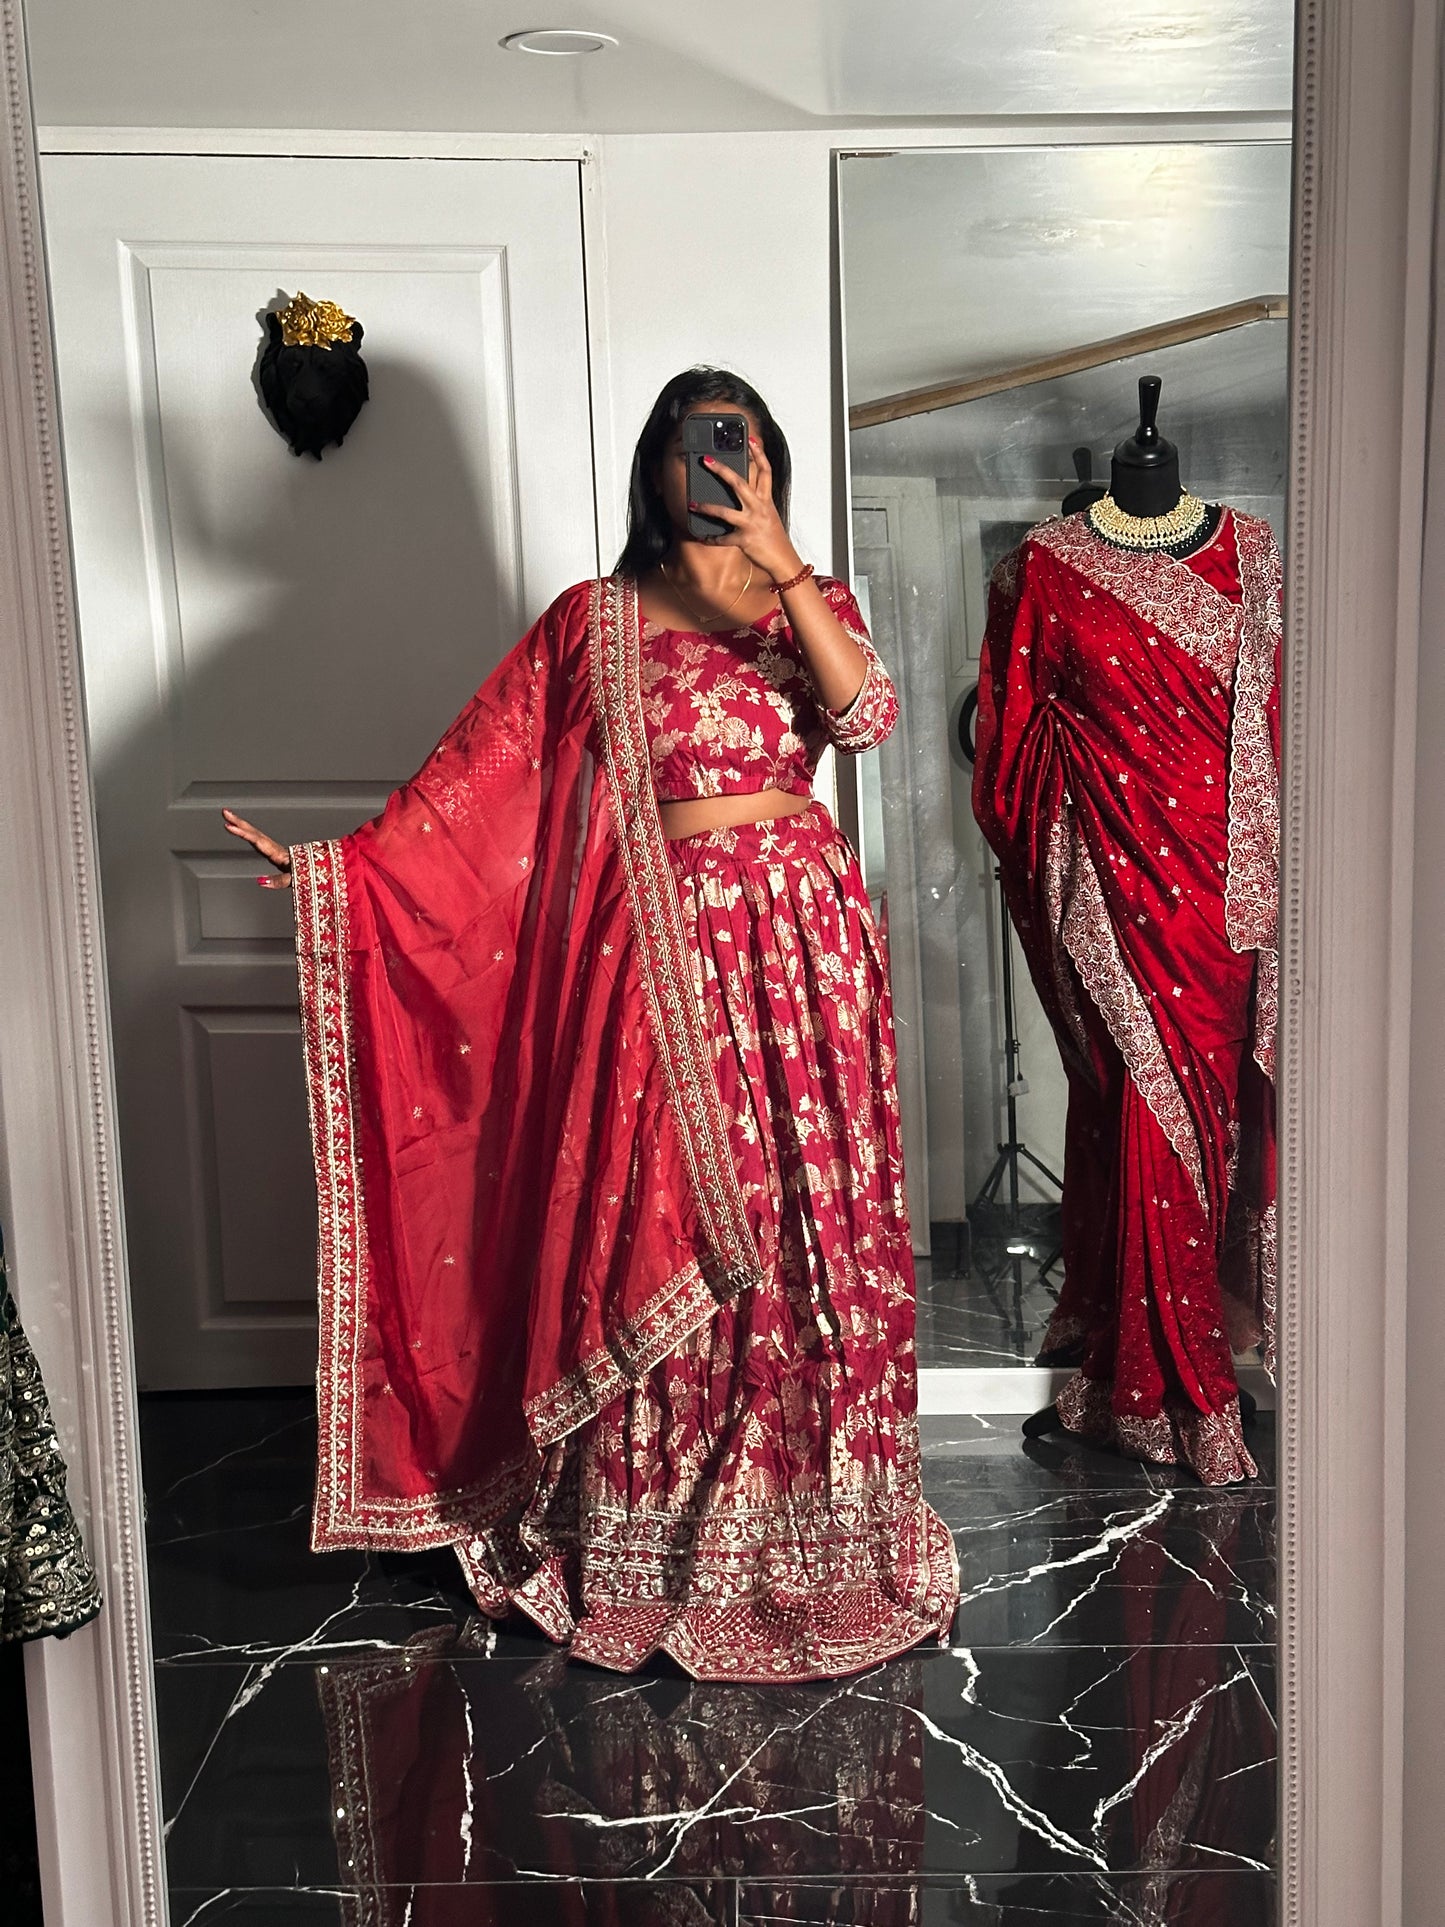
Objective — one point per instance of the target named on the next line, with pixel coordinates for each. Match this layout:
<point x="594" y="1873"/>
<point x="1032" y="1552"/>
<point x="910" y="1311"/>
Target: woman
<point x="616" y="1281"/>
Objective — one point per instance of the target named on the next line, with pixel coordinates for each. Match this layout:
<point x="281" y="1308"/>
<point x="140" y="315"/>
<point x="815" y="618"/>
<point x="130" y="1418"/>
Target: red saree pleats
<point x="1126" y="777"/>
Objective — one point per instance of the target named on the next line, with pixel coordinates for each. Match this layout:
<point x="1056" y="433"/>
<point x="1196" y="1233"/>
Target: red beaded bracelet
<point x="793" y="580"/>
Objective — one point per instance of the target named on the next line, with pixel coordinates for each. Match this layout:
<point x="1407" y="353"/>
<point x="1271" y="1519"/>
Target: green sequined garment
<point x="47" y="1583"/>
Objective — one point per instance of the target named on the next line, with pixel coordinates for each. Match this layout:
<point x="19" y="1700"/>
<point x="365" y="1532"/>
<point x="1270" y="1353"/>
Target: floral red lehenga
<point x="1127" y="779"/>
<point x="616" y="1283"/>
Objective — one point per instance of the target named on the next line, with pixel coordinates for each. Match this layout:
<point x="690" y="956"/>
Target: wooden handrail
<point x="1073" y="361"/>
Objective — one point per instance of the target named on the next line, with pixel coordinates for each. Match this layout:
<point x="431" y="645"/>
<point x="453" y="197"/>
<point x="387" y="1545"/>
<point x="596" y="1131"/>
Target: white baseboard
<point x="946" y="1390"/>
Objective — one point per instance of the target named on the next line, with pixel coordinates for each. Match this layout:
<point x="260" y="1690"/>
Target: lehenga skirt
<point x="754" y="1506"/>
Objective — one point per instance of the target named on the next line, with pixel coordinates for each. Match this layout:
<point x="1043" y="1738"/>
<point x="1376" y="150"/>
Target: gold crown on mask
<point x="313" y="324"/>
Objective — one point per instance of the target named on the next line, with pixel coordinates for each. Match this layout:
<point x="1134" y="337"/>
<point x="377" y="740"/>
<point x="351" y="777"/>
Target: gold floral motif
<point x="686" y="701"/>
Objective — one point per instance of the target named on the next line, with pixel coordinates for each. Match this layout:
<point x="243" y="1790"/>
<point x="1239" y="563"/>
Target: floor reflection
<point x="343" y="1741"/>
<point x="986" y="1294"/>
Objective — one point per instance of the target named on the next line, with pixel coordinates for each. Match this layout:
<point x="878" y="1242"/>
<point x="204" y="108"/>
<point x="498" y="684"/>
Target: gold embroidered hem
<point x="767" y="1594"/>
<point x="1211" y="1444"/>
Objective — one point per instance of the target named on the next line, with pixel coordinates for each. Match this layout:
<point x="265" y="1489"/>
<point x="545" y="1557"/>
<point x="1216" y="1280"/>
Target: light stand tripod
<point x="1013" y="1150"/>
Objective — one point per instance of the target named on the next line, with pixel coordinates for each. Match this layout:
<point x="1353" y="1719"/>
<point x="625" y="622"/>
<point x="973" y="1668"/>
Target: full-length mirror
<point x="1043" y="284"/>
<point x="692" y="994"/>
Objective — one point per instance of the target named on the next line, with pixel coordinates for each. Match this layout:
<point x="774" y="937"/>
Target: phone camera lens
<point x="727" y="435"/>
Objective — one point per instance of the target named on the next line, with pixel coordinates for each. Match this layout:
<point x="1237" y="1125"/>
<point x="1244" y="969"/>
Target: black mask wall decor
<point x="312" y="378"/>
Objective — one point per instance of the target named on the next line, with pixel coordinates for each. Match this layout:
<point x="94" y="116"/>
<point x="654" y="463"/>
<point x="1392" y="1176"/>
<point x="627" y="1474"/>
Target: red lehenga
<point x="616" y="1285"/>
<point x="1127" y="778"/>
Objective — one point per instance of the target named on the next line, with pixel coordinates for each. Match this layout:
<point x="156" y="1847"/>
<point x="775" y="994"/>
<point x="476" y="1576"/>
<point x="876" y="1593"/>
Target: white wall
<point x="717" y="249"/>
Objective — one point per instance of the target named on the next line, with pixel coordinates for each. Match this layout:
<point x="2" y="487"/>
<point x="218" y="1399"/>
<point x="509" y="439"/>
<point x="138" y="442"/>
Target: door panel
<point x="285" y="635"/>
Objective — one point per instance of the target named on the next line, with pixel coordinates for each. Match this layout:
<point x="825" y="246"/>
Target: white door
<point x="285" y="635"/>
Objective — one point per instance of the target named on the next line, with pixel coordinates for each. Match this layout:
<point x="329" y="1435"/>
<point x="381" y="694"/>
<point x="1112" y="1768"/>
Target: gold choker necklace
<point x="1184" y="520"/>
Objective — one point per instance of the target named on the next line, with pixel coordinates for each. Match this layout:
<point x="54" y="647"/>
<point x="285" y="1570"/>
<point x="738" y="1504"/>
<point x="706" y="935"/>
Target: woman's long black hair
<point x="650" y="533"/>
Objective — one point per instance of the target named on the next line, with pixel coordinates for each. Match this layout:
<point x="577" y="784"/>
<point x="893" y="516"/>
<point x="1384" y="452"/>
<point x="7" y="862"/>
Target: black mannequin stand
<point x="1144" y="475"/>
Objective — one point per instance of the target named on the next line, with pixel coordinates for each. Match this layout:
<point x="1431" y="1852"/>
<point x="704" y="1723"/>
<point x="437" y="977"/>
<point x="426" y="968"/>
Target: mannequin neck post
<point x="1150" y="490"/>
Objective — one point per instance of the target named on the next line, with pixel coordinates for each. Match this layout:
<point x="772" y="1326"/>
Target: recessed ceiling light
<point x="558" y="40"/>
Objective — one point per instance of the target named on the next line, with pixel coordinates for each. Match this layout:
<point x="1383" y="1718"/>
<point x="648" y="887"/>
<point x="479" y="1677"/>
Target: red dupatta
<point x="525" y="1192"/>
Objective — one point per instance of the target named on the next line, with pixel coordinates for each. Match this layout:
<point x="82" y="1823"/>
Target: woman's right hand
<point x="275" y="853"/>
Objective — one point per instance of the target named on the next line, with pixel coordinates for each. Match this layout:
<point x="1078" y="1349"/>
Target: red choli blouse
<point x="734" y="711"/>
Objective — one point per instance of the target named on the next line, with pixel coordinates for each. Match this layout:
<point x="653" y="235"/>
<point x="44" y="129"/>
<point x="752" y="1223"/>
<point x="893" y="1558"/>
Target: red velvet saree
<point x="1127" y="778"/>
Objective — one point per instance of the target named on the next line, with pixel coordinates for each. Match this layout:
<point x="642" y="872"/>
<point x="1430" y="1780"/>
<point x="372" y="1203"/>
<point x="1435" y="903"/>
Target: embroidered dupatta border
<point x="680" y="1034"/>
<point x="691" y="1296"/>
<point x="341" y="1515"/>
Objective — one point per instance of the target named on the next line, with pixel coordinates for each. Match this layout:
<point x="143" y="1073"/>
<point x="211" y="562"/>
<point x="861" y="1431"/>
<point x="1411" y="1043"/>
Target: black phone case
<point x="703" y="485"/>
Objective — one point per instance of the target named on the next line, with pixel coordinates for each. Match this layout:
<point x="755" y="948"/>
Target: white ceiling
<point x="435" y="65"/>
<point x="958" y="264"/>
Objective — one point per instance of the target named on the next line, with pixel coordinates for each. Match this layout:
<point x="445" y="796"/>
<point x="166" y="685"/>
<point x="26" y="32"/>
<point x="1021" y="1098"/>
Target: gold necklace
<point x="692" y="608"/>
<point x="1184" y="520"/>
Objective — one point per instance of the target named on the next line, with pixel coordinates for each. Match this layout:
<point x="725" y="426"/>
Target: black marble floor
<point x="343" y="1742"/>
<point x="993" y="1308"/>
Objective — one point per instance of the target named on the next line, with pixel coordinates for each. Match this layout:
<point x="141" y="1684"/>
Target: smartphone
<point x="725" y="437"/>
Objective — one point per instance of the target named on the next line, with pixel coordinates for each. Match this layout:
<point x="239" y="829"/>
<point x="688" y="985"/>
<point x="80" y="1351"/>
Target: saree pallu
<point x="533" y="1204"/>
<point x="1127" y="779"/>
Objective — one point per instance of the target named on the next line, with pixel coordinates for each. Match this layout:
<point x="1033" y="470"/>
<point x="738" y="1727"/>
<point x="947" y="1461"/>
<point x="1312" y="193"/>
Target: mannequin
<point x="1126" y="779"/>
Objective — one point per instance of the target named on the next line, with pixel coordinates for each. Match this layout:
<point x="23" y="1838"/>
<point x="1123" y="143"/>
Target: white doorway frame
<point x="1368" y="112"/>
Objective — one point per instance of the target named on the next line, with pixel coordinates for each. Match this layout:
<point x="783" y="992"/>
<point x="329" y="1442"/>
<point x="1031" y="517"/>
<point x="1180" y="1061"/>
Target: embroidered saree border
<point x="341" y="1516"/>
<point x="1210" y="1443"/>
<point x="1236" y="644"/>
<point x="1165" y="593"/>
<point x="1251" y="891"/>
<point x="1088" y="935"/>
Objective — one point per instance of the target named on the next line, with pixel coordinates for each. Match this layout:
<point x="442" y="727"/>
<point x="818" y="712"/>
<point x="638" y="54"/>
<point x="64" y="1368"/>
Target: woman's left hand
<point x="757" y="528"/>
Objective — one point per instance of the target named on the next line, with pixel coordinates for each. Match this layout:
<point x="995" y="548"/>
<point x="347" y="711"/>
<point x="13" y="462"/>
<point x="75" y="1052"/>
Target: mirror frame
<point x="1366" y="127"/>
